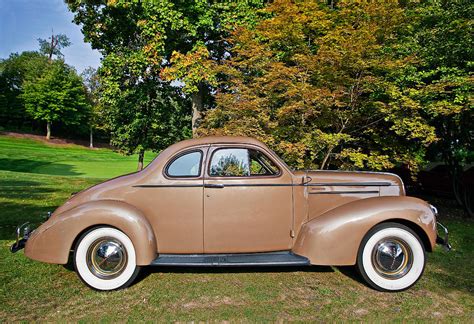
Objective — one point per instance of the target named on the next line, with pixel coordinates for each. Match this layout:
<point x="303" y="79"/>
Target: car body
<point x="231" y="201"/>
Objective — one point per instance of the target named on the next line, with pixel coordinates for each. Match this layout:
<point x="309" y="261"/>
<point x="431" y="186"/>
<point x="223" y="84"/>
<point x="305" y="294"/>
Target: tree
<point x="440" y="81"/>
<point x="53" y="45"/>
<point x="313" y="82"/>
<point x="180" y="37"/>
<point x="147" y="114"/>
<point x="92" y="84"/>
<point x="13" y="71"/>
<point x="58" y="95"/>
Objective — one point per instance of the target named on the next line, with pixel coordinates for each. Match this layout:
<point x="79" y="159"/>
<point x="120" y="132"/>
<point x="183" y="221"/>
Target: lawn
<point x="32" y="156"/>
<point x="36" y="178"/>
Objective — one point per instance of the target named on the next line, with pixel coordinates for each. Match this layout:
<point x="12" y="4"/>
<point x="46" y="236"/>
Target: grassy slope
<point x="26" y="155"/>
<point x="31" y="290"/>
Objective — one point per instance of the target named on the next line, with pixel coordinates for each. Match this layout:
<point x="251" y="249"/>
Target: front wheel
<point x="391" y="257"/>
<point x="104" y="259"/>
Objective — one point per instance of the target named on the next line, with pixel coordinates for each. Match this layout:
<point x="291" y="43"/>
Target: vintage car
<point x="231" y="201"/>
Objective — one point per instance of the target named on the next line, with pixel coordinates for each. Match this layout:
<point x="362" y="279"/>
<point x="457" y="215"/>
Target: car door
<point x="178" y="191"/>
<point x="247" y="201"/>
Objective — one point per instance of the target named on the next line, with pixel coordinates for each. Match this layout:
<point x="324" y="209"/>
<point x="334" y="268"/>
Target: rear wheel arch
<point x="53" y="241"/>
<point x="84" y="231"/>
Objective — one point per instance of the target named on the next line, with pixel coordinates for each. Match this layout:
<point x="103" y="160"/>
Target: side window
<point x="241" y="163"/>
<point x="260" y="164"/>
<point x="187" y="165"/>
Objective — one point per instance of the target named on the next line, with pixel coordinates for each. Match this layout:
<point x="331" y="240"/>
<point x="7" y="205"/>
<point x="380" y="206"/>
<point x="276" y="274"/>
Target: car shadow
<point x="351" y="272"/>
<point x="146" y="271"/>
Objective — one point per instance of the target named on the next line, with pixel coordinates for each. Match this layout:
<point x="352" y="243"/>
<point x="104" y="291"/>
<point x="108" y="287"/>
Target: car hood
<point x="354" y="178"/>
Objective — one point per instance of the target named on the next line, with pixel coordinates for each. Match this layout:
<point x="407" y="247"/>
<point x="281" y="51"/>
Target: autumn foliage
<point x="324" y="87"/>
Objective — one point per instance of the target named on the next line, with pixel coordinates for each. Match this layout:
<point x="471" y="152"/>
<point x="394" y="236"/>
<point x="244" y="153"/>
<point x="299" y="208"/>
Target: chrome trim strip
<point x="336" y="192"/>
<point x="321" y="184"/>
<point x="351" y="184"/>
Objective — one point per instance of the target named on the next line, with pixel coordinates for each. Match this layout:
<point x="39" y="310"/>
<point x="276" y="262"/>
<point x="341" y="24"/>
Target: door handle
<point x="214" y="186"/>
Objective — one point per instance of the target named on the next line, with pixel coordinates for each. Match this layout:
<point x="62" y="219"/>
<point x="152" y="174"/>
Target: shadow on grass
<point x="351" y="272"/>
<point x="150" y="270"/>
<point x="33" y="214"/>
<point x="27" y="201"/>
<point x="23" y="189"/>
<point x="34" y="166"/>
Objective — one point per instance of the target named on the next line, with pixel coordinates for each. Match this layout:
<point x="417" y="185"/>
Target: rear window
<point x="185" y="165"/>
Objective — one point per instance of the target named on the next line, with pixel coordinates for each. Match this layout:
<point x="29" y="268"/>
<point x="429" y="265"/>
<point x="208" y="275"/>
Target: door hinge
<point x="292" y="233"/>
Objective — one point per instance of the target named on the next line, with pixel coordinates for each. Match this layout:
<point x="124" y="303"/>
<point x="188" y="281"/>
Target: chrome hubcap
<point x="106" y="258"/>
<point x="392" y="258"/>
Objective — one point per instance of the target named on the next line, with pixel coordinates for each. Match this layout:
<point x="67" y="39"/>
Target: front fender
<point x="334" y="237"/>
<point x="52" y="241"/>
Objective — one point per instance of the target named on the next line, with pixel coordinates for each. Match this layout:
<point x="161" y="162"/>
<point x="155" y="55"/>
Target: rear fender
<point x="334" y="237"/>
<point x="52" y="241"/>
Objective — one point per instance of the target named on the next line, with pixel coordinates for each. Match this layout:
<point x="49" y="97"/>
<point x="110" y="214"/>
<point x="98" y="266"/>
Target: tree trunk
<point x="325" y="160"/>
<point x="48" y="130"/>
<point x="91" y="138"/>
<point x="141" y="156"/>
<point x="197" y="105"/>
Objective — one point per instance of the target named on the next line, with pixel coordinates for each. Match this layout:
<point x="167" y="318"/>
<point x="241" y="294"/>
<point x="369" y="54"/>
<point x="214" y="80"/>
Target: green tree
<point x="178" y="38"/>
<point x="58" y="95"/>
<point x="440" y="82"/>
<point x="145" y="115"/>
<point x="313" y="82"/>
<point x="13" y="71"/>
<point x="53" y="45"/>
<point x="96" y="117"/>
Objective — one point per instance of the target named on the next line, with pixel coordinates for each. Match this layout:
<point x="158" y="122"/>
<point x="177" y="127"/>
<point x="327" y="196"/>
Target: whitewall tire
<point x="105" y="259"/>
<point x="391" y="257"/>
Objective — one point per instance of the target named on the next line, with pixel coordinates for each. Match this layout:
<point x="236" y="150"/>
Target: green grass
<point x="27" y="155"/>
<point x="32" y="290"/>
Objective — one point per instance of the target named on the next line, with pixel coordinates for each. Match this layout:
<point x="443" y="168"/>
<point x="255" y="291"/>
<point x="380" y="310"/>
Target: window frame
<point x="268" y="156"/>
<point x="177" y="156"/>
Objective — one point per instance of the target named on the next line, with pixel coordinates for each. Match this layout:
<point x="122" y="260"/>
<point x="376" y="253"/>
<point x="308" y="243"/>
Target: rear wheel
<point x="104" y="259"/>
<point x="391" y="257"/>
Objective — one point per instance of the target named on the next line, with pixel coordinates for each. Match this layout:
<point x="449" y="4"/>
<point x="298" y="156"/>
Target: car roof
<point x="218" y="140"/>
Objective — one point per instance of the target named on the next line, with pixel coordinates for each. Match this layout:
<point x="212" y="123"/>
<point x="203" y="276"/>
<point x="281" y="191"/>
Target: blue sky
<point x="22" y="22"/>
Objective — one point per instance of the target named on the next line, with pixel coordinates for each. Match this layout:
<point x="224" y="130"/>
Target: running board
<point x="284" y="258"/>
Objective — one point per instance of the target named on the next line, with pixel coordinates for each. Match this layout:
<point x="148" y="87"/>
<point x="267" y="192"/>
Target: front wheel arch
<point x="415" y="228"/>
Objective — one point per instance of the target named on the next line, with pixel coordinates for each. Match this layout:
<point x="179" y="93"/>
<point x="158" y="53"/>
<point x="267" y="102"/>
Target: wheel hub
<point x="392" y="258"/>
<point x="106" y="258"/>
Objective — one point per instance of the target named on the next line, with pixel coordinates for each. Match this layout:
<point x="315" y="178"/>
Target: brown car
<point x="230" y="201"/>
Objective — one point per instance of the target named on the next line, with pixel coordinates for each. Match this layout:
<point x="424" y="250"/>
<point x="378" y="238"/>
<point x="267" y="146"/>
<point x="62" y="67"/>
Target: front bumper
<point x="21" y="240"/>
<point x="443" y="239"/>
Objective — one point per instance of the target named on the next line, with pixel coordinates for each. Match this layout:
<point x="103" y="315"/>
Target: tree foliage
<point x="178" y="38"/>
<point x="327" y="87"/>
<point x="338" y="84"/>
<point x="441" y="81"/>
<point x="57" y="95"/>
<point x="53" y="45"/>
<point x="141" y="115"/>
<point x="310" y="82"/>
<point x="13" y="72"/>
